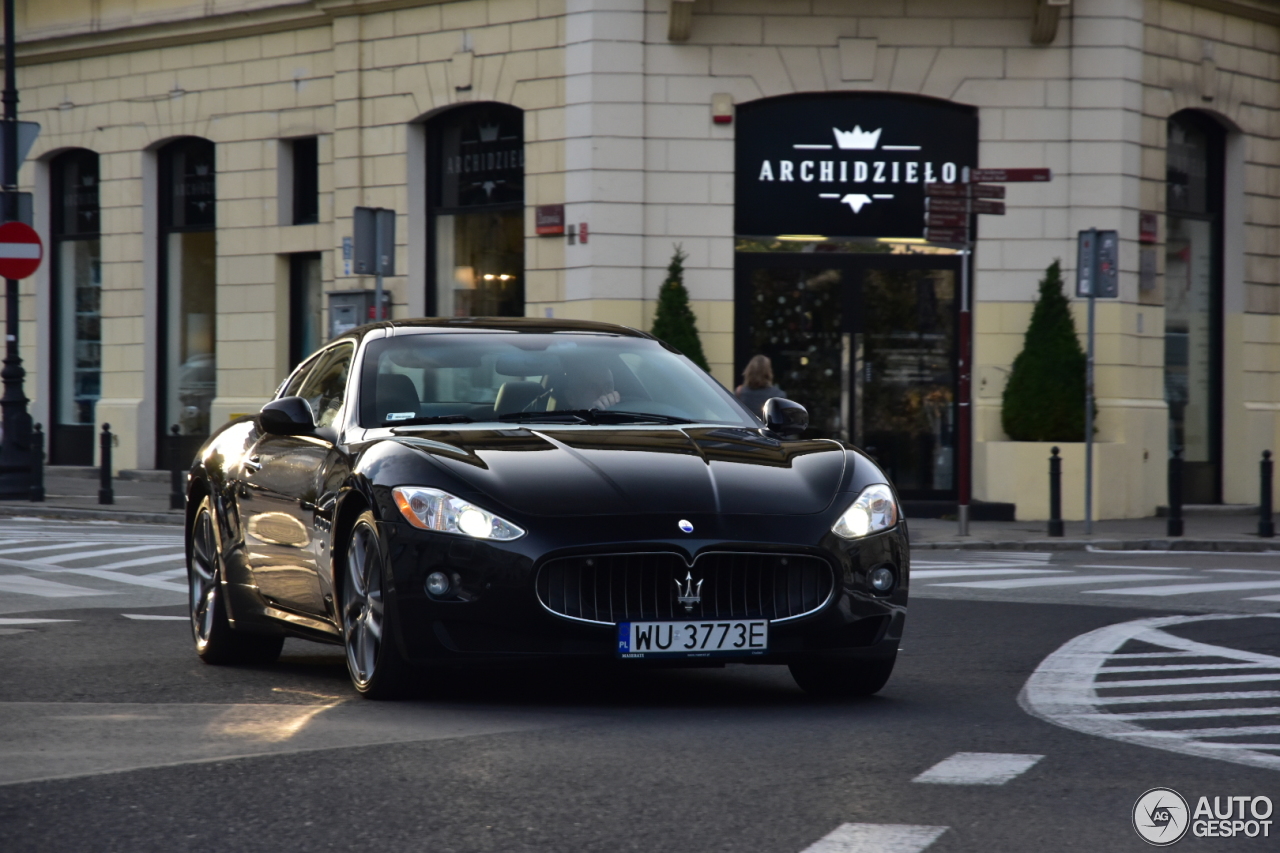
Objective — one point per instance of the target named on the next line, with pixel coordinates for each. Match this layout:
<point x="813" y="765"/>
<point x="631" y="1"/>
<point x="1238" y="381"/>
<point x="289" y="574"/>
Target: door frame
<point x="853" y="266"/>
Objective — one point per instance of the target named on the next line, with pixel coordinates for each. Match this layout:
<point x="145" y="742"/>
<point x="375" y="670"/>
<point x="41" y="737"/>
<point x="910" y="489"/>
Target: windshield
<point x="537" y="378"/>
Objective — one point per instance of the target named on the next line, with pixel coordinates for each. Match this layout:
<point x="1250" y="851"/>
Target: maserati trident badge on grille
<point x="685" y="525"/>
<point x="688" y="594"/>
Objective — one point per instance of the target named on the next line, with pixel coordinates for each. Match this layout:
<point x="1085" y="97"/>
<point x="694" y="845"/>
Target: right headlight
<point x="432" y="509"/>
<point x="873" y="511"/>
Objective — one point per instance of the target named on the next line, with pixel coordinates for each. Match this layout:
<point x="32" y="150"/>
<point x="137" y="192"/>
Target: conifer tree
<point x="674" y="322"/>
<point x="1044" y="398"/>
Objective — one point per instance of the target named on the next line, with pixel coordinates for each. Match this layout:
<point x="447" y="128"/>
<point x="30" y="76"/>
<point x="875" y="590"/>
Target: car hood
<point x="610" y="471"/>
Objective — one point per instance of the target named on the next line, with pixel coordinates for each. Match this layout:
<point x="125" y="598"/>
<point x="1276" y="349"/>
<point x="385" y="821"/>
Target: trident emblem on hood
<point x="688" y="594"/>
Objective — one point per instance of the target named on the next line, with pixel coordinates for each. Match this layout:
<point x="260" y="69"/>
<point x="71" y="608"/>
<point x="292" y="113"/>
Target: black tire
<point x="216" y="641"/>
<point x="842" y="679"/>
<point x="368" y="616"/>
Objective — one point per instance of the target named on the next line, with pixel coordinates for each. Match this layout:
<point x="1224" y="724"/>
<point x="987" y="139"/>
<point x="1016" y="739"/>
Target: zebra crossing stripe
<point x="6" y="620"/>
<point x="1188" y="588"/>
<point x="155" y="617"/>
<point x="63" y="558"/>
<point x="1074" y="580"/>
<point x="47" y="547"/>
<point x="926" y="574"/>
<point x="145" y="561"/>
<point x="876" y="838"/>
<point x="139" y="580"/>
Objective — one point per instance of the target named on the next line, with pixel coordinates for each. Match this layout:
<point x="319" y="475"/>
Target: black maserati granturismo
<point x="444" y="493"/>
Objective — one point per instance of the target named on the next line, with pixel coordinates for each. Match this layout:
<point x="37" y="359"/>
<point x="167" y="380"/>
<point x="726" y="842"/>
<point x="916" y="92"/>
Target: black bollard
<point x="177" y="499"/>
<point x="1055" y="494"/>
<point x="37" y="463"/>
<point x="1266" y="525"/>
<point x="105" y="494"/>
<point x="1175" y="492"/>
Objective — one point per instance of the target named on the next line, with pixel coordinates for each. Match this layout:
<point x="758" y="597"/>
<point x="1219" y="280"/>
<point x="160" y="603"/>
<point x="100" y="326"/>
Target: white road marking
<point x="6" y="620"/>
<point x="1187" y="697"/>
<point x="153" y="617"/>
<point x="47" y="547"/>
<point x="45" y="588"/>
<point x="876" y="838"/>
<point x="1187" y="588"/>
<point x="144" y="561"/>
<point x="1064" y="690"/>
<point x="120" y="577"/>
<point x="978" y="768"/>
<point x="1264" y="598"/>
<point x="1138" y="568"/>
<point x="1173" y="682"/>
<point x="1202" y="712"/>
<point x="917" y="574"/>
<point x="181" y="571"/>
<point x="63" y="558"/>
<point x="1074" y="580"/>
<point x="1169" y="667"/>
<point x="1243" y="571"/>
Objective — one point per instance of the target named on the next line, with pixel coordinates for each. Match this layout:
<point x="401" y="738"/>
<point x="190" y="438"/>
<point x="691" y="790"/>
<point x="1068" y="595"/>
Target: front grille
<point x="609" y="588"/>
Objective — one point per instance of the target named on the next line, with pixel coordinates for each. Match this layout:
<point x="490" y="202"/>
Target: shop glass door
<point x="868" y="346"/>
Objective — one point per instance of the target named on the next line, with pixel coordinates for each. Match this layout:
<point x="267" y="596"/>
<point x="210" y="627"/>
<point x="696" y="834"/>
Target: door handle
<point x="253" y="463"/>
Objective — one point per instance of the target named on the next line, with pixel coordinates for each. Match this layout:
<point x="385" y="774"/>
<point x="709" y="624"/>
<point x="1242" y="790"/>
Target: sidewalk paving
<point x="72" y="493"/>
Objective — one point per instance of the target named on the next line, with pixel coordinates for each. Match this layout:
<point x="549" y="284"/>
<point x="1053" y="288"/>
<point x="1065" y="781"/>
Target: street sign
<point x="27" y="133"/>
<point x="947" y="235"/>
<point x="20" y="250"/>
<point x="958" y="205"/>
<point x="1009" y="176"/>
<point x="375" y="241"/>
<point x="26" y="209"/>
<point x="1097" y="271"/>
<point x="946" y="220"/>
<point x="947" y="190"/>
<point x="986" y="191"/>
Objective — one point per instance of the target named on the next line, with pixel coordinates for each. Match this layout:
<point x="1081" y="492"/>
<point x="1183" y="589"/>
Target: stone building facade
<point x="199" y="162"/>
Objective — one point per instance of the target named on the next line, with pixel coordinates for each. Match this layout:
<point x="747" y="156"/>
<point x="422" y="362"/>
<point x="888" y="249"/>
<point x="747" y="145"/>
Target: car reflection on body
<point x="450" y="492"/>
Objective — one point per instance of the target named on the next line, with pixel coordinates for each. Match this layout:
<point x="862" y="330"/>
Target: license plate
<point x="693" y="639"/>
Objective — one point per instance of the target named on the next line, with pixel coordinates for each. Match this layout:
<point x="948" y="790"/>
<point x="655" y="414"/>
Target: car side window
<point x="326" y="385"/>
<point x="293" y="384"/>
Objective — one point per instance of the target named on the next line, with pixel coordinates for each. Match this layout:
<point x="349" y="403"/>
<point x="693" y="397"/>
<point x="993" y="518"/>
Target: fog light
<point x="438" y="583"/>
<point x="881" y="579"/>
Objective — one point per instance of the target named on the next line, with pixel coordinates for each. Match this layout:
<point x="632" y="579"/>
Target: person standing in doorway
<point x="757" y="386"/>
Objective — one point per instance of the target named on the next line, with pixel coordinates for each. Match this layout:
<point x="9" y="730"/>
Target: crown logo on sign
<point x="857" y="139"/>
<point x="488" y="132"/>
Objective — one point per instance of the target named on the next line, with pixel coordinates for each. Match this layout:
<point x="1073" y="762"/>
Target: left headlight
<point x="432" y="509"/>
<point x="873" y="511"/>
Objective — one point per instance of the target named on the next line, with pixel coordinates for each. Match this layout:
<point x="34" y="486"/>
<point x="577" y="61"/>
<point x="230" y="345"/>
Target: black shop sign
<point x="846" y="164"/>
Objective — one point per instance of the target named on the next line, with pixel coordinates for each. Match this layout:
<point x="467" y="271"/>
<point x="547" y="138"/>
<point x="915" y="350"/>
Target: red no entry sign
<point x="20" y="250"/>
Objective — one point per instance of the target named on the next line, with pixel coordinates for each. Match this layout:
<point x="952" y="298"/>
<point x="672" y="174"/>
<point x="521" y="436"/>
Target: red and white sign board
<point x="20" y="250"/>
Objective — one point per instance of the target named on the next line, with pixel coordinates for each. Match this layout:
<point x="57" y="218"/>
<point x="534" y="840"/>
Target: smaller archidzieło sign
<point x="846" y="164"/>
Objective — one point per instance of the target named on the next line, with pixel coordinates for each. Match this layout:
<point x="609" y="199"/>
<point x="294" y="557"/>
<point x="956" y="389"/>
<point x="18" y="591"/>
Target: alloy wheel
<point x="202" y="578"/>
<point x="363" y="611"/>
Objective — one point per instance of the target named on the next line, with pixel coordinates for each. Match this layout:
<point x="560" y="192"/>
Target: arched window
<point x="475" y="185"/>
<point x="188" y="293"/>
<point x="76" y="302"/>
<point x="1193" y="301"/>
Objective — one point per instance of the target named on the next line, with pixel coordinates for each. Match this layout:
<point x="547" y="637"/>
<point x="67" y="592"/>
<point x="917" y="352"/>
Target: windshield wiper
<point x="433" y="419"/>
<point x="594" y="416"/>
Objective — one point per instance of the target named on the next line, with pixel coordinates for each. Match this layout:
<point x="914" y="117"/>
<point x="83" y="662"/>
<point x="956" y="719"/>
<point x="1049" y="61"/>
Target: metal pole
<point x="377" y="266"/>
<point x="105" y="493"/>
<point x="1175" y="493"/>
<point x="1088" y="429"/>
<point x="1055" y="494"/>
<point x="177" y="494"/>
<point x="1266" y="524"/>
<point x="1088" y="392"/>
<point x="963" y="458"/>
<point x="15" y="450"/>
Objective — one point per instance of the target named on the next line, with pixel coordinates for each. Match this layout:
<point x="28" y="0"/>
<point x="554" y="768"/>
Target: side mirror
<point x="287" y="416"/>
<point x="784" y="417"/>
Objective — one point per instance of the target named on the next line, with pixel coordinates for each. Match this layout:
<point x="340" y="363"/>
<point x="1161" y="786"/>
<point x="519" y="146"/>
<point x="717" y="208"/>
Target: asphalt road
<point x="113" y="735"/>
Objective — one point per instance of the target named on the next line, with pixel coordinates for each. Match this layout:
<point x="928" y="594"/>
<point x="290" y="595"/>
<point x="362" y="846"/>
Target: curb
<point x="1224" y="545"/>
<point x="37" y="510"/>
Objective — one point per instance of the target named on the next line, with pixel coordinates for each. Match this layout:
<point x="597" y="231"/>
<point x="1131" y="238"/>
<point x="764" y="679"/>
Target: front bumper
<point x="497" y="615"/>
